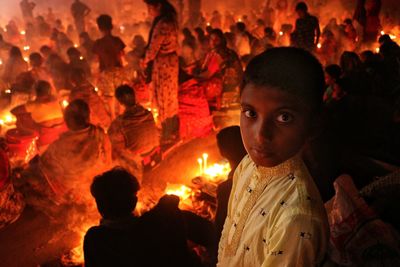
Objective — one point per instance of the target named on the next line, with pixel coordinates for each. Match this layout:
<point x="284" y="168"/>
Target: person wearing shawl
<point x="133" y="134"/>
<point x="82" y="152"/>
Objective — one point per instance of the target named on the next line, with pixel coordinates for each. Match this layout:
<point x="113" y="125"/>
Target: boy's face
<point x="274" y="124"/>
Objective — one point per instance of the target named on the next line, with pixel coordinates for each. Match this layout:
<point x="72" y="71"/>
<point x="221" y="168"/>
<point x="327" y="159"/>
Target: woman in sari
<point x="161" y="56"/>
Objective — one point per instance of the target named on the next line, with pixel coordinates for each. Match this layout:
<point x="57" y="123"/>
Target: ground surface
<point x="34" y="239"/>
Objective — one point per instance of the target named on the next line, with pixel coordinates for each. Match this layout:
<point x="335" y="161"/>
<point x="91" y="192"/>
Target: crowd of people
<point x="315" y="103"/>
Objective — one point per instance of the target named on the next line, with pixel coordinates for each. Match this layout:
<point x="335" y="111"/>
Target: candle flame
<point x="22" y="32"/>
<point x="182" y="191"/>
<point x="280" y="33"/>
<point x="64" y="103"/>
<point x="377" y="50"/>
<point x="319" y="46"/>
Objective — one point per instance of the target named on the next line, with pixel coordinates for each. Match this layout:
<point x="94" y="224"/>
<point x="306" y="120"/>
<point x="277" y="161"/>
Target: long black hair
<point x="167" y="13"/>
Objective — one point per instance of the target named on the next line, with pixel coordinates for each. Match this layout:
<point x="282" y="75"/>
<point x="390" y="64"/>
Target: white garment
<point x="276" y="218"/>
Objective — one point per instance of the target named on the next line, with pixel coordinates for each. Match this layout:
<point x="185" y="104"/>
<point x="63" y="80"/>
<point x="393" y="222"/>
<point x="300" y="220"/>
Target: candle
<point x="205" y="157"/>
<point x="200" y="161"/>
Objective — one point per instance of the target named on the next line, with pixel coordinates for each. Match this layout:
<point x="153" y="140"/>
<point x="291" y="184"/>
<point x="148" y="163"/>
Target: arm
<point x="299" y="240"/>
<point x="161" y="31"/>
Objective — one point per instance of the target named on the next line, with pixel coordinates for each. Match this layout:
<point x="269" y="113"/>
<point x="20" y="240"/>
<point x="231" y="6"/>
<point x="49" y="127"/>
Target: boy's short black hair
<point x="43" y="88"/>
<point x="290" y="69"/>
<point x="301" y="6"/>
<point x="230" y="143"/>
<point x="77" y="115"/>
<point x="115" y="193"/>
<point x="125" y="95"/>
<point x="104" y="22"/>
<point x="334" y="71"/>
<point x="36" y="59"/>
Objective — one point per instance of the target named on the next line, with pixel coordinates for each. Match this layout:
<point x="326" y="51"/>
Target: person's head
<point x="240" y="27"/>
<point x="186" y="32"/>
<point x="15" y="52"/>
<point x="350" y="62"/>
<point x="269" y="33"/>
<point x="45" y="50"/>
<point x="301" y="9"/>
<point x="160" y="8"/>
<point x="260" y="22"/>
<point x="281" y="98"/>
<point x="230" y="144"/>
<point x="348" y="22"/>
<point x="115" y="193"/>
<point x="199" y="33"/>
<point x="332" y="74"/>
<point x="104" y="23"/>
<point x="125" y="95"/>
<point x="77" y="76"/>
<point x="73" y="53"/>
<point x="43" y="89"/>
<point x="217" y="39"/>
<point x="384" y="38"/>
<point x="138" y="41"/>
<point x="36" y="60"/>
<point x="367" y="56"/>
<point x="77" y="115"/>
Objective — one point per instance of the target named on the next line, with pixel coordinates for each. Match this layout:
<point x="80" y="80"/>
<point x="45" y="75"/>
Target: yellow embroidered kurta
<point x="275" y="218"/>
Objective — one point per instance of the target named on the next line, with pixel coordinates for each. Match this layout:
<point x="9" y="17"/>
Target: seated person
<point x="11" y="202"/>
<point x="221" y="69"/>
<point x="39" y="71"/>
<point x="231" y="147"/>
<point x="83" y="89"/>
<point x="76" y="61"/>
<point x="158" y="238"/>
<point x="43" y="112"/>
<point x="133" y="134"/>
<point x="115" y="242"/>
<point x="83" y="151"/>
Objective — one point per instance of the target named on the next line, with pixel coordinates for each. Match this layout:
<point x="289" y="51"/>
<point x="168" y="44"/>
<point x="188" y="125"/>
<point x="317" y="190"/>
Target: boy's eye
<point x="284" y="117"/>
<point x="249" y="113"/>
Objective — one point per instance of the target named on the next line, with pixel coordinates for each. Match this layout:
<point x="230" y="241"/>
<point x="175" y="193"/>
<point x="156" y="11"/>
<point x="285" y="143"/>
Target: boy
<point x="275" y="213"/>
<point x="115" y="241"/>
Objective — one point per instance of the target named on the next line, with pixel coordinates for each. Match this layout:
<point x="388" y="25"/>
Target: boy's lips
<point x="263" y="153"/>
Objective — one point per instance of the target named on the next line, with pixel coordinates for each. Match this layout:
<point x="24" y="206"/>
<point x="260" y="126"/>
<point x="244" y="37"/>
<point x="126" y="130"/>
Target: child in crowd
<point x="114" y="242"/>
<point x="275" y="213"/>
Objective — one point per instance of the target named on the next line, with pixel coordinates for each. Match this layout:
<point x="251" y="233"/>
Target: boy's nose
<point x="264" y="131"/>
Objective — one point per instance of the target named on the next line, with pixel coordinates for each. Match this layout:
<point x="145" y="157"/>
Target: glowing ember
<point x="319" y="46"/>
<point x="64" y="103"/>
<point x="217" y="172"/>
<point x="7" y="119"/>
<point x="182" y="191"/>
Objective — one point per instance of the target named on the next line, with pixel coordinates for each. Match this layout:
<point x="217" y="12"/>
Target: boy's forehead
<point x="270" y="97"/>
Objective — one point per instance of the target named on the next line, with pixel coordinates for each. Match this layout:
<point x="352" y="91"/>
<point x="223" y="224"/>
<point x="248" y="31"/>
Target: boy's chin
<point x="266" y="161"/>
